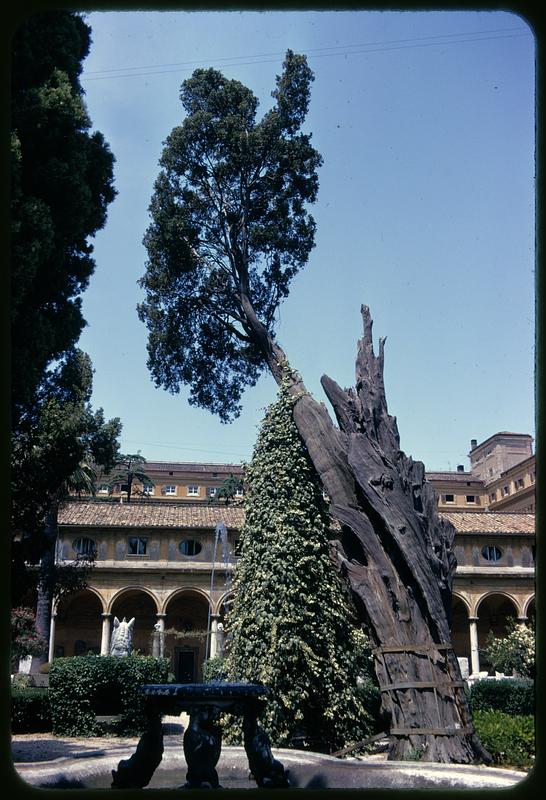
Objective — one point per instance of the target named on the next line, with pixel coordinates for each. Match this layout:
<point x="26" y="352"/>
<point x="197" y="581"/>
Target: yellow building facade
<point x="170" y="566"/>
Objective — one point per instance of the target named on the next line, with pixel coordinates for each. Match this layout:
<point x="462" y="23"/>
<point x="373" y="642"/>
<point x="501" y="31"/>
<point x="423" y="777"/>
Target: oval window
<point x="491" y="552"/>
<point x="190" y="547"/>
<point x="84" y="546"/>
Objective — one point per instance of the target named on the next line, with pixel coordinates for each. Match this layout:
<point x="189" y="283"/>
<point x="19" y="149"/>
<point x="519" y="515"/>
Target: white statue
<point x="121" y="642"/>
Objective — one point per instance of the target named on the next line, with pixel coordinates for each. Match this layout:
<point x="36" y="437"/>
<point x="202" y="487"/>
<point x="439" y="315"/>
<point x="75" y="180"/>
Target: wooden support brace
<point x="420" y="685"/>
<point x="467" y="729"/>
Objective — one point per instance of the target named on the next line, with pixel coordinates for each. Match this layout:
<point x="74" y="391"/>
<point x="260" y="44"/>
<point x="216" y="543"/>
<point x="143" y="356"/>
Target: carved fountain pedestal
<point x="204" y="702"/>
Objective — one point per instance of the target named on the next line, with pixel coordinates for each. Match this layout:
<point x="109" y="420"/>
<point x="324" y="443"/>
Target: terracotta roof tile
<point x="160" y="514"/>
<point x="107" y="514"/>
<point x="189" y="466"/>
<point x="491" y="522"/>
<point x="460" y="477"/>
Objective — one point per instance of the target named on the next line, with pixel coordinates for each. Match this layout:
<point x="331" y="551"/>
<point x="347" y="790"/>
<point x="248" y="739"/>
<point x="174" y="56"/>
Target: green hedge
<point x="214" y="669"/>
<point x="513" y="696"/>
<point x="30" y="711"/>
<point x="509" y="739"/>
<point x="82" y="687"/>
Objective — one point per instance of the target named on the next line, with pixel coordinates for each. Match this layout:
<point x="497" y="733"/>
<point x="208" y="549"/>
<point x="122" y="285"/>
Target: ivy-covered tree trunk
<point x="395" y="552"/>
<point x="291" y="626"/>
<point x="229" y="231"/>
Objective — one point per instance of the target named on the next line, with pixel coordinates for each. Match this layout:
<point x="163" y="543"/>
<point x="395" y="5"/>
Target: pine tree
<point x="291" y="626"/>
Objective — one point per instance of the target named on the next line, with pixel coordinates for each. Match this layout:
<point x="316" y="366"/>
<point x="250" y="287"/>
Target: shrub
<point x="84" y="686"/>
<point x="30" y="710"/>
<point x="513" y="696"/>
<point x="214" y="670"/>
<point x="509" y="739"/>
<point x="514" y="652"/>
<point x="25" y="641"/>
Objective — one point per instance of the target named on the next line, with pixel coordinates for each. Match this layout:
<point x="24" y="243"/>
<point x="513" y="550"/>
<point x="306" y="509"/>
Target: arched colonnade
<point x="473" y="618"/>
<point x="183" y="625"/>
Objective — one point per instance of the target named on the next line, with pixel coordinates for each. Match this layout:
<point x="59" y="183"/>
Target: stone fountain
<point x="204" y="702"/>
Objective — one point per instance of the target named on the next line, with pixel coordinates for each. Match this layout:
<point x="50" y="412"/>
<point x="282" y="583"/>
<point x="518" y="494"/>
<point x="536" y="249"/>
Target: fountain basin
<point x="306" y="770"/>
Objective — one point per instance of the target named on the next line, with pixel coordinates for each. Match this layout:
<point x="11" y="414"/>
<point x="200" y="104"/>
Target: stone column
<point x="105" y="639"/>
<point x="213" y="650"/>
<point x="51" y="652"/>
<point x="474" y="653"/>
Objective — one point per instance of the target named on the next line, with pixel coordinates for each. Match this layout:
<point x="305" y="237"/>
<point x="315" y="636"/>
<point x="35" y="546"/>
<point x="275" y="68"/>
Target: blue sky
<point x="426" y="213"/>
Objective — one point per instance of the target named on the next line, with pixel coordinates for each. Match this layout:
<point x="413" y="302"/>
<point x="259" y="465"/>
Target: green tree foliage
<point x="228" y="489"/>
<point x="513" y="653"/>
<point x="229" y="231"/>
<point x="291" y="626"/>
<point x="62" y="182"/>
<point x="130" y="467"/>
<point x="59" y="435"/>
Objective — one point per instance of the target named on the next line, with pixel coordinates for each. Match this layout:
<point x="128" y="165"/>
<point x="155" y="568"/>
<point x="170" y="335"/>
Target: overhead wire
<point x="321" y="52"/>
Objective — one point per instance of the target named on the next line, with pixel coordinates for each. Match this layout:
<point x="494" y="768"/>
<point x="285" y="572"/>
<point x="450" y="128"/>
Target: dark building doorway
<point x="186" y="661"/>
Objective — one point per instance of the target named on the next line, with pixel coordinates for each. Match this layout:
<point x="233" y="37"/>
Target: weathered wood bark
<point x="395" y="552"/>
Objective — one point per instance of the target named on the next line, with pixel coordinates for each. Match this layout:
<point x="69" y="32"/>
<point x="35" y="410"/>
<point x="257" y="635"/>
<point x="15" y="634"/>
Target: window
<point x="137" y="546"/>
<point x="471" y="498"/>
<point x="491" y="552"/>
<point x="519" y="483"/>
<point x="493" y="497"/>
<point x="103" y="489"/>
<point x="239" y="492"/>
<point x="84" y="546"/>
<point x="505" y="491"/>
<point x="190" y="547"/>
<point x="449" y="498"/>
<point x="170" y="488"/>
<point x="211" y="491"/>
<point x="193" y="491"/>
<point x="147" y="491"/>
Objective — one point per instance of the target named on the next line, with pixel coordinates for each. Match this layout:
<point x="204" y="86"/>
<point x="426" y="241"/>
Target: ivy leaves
<point x="291" y="626"/>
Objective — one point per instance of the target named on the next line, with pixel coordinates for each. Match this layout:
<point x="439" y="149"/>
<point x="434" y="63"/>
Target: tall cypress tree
<point x="291" y="626"/>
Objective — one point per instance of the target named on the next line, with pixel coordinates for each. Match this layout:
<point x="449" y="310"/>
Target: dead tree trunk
<point x="395" y="551"/>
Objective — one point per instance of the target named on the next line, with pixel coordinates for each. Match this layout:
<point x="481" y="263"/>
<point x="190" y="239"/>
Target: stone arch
<point x="187" y="617"/>
<point x="142" y="604"/>
<point x="186" y="590"/>
<point x="78" y="623"/>
<point x="131" y="589"/>
<point x="530" y="608"/>
<point x="222" y="603"/>
<point x="460" y="626"/>
<point x="493" y="611"/>
<point x="91" y="590"/>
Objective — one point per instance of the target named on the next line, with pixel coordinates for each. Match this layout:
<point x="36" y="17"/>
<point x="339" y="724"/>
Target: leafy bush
<point x="84" y="686"/>
<point x="513" y="653"/>
<point x="509" y="739"/>
<point x="25" y="641"/>
<point x="513" y="696"/>
<point x="214" y="670"/>
<point x="30" y="710"/>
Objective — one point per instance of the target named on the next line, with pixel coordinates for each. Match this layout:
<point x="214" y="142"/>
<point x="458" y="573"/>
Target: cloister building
<point x="171" y="567"/>
<point x="167" y="557"/>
